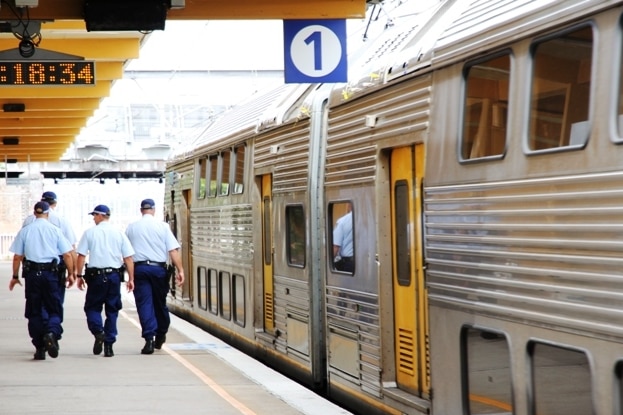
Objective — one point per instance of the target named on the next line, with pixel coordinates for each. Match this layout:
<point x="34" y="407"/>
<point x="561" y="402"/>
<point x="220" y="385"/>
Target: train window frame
<point x="202" y="288"/>
<point x="212" y="176"/>
<point x="224" y="294"/>
<point x="238" y="293"/>
<point x="213" y="290"/>
<point x="295" y="222"/>
<point x="202" y="172"/>
<point x="618" y="116"/>
<point x="498" y="112"/>
<point x="578" y="132"/>
<point x="225" y="169"/>
<point x="336" y="211"/>
<point x="239" y="166"/>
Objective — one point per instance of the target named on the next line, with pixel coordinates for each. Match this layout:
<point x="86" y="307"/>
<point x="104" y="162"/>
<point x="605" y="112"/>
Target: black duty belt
<point x="40" y="266"/>
<point x="152" y="263"/>
<point x="101" y="271"/>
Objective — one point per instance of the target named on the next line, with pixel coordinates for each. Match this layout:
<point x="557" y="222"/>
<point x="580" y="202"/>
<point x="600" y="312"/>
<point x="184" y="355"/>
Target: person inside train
<point x="343" y="241"/>
<point x="153" y="244"/>
<point x="108" y="249"/>
<point x="37" y="248"/>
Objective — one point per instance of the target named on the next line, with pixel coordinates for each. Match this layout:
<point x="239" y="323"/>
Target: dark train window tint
<point x="561" y="84"/>
<point x="486" y="373"/>
<point x="202" y="173"/>
<point x="239" y="159"/>
<point x="401" y="212"/>
<point x="552" y="368"/>
<point x="239" y="301"/>
<point x="223" y="188"/>
<point x="295" y="235"/>
<point x="619" y="395"/>
<point x="202" y="288"/>
<point x="213" y="291"/>
<point x="485" y="112"/>
<point x="225" y="295"/>
<point x="268" y="238"/>
<point x="342" y="247"/>
<point x="212" y="171"/>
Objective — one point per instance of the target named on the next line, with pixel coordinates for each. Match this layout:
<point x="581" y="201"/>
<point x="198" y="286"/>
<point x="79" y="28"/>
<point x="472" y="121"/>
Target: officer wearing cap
<point x="64" y="225"/>
<point x="108" y="249"/>
<point x="37" y="248"/>
<point x="153" y="244"/>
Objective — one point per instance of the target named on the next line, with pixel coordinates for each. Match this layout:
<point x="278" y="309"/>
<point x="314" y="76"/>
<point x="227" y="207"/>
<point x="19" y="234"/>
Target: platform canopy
<point x="59" y="59"/>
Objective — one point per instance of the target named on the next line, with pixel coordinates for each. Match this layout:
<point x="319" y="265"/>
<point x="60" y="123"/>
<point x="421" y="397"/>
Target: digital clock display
<point x="47" y="73"/>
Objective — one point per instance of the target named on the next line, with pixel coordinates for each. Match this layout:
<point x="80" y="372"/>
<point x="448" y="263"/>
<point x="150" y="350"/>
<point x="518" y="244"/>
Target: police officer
<point x="153" y="243"/>
<point x="62" y="223"/>
<point x="108" y="249"/>
<point x="37" y="247"/>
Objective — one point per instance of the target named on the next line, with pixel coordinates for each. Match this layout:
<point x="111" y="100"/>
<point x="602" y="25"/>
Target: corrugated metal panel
<point x="352" y="146"/>
<point x="223" y="235"/>
<point x="542" y="252"/>
<point x="287" y="149"/>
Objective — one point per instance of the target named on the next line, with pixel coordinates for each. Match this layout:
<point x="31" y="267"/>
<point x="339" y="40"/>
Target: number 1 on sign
<point x="326" y="48"/>
<point x="316" y="39"/>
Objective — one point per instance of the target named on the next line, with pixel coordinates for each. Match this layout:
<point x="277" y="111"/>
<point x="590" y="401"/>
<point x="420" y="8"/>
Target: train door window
<point x="202" y="173"/>
<point x="239" y="159"/>
<point x="485" y="110"/>
<point x="486" y="372"/>
<point x="618" y="370"/>
<point x="239" y="302"/>
<point x="403" y="245"/>
<point x="202" y="288"/>
<point x="211" y="179"/>
<point x="552" y="367"/>
<point x="268" y="236"/>
<point x="561" y="84"/>
<point x="342" y="245"/>
<point x="295" y="236"/>
<point x="223" y="188"/>
<point x="224" y="295"/>
<point x="213" y="291"/>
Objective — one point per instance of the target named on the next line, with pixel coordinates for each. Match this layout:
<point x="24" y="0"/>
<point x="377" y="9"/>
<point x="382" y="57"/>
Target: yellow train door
<point x="267" y="251"/>
<point x="410" y="303"/>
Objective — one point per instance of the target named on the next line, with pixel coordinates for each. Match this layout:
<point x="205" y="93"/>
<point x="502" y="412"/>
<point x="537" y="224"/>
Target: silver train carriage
<point x="480" y="162"/>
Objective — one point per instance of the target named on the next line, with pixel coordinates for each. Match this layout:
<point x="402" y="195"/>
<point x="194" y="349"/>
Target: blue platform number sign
<point x="315" y="51"/>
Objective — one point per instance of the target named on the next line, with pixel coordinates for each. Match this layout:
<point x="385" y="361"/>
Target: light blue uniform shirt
<point x="343" y="235"/>
<point x="105" y="245"/>
<point x="151" y="239"/>
<point x="40" y="242"/>
<point x="58" y="221"/>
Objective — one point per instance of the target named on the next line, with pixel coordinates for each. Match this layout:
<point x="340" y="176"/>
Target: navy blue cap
<point x="42" y="207"/>
<point x="101" y="209"/>
<point x="148" y="204"/>
<point x="48" y="197"/>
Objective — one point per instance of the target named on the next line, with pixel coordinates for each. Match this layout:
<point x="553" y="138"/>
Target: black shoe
<point x="160" y="339"/>
<point x="149" y="347"/>
<point x="40" y="353"/>
<point x="51" y="345"/>
<point x="108" y="350"/>
<point x="99" y="342"/>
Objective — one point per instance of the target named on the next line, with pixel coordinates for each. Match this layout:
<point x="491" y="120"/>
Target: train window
<point x="211" y="179"/>
<point x="403" y="245"/>
<point x="342" y="252"/>
<point x="486" y="372"/>
<point x="268" y="236"/>
<point x="485" y="108"/>
<point x="618" y="370"/>
<point x="202" y="288"/>
<point x="213" y="291"/>
<point x="224" y="295"/>
<point x="238" y="185"/>
<point x="295" y="235"/>
<point x="551" y="366"/>
<point x="202" y="172"/>
<point x="239" y="302"/>
<point x="223" y="188"/>
<point x="561" y="84"/>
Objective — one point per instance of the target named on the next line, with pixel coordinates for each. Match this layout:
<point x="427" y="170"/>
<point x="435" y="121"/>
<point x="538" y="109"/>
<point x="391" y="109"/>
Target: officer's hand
<point x="81" y="284"/>
<point x="180" y="278"/>
<point x="130" y="286"/>
<point x="70" y="281"/>
<point x="13" y="283"/>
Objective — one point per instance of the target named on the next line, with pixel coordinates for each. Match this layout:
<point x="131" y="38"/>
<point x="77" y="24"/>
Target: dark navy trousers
<point x="151" y="287"/>
<point x="103" y="291"/>
<point x="44" y="307"/>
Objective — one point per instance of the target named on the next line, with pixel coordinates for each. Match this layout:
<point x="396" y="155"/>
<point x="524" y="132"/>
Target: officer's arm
<point x="176" y="258"/>
<point x="129" y="267"/>
<point x="17" y="260"/>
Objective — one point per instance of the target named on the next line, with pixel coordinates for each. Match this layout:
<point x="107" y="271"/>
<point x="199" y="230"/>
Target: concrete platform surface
<point x="194" y="373"/>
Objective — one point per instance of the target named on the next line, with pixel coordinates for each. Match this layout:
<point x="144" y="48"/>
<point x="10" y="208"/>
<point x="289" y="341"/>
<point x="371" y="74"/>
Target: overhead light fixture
<point x="10" y="141"/>
<point x="11" y="161"/>
<point x="13" y="107"/>
<point x="141" y="15"/>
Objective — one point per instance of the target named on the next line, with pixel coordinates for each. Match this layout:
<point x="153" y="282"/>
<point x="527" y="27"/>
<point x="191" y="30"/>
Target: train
<point x="479" y="148"/>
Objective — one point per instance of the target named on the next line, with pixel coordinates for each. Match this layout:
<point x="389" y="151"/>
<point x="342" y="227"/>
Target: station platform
<point x="194" y="372"/>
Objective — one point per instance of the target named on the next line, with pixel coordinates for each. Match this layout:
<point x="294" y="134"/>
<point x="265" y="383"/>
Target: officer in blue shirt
<point x="153" y="243"/>
<point x="37" y="247"/>
<point x="108" y="249"/>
